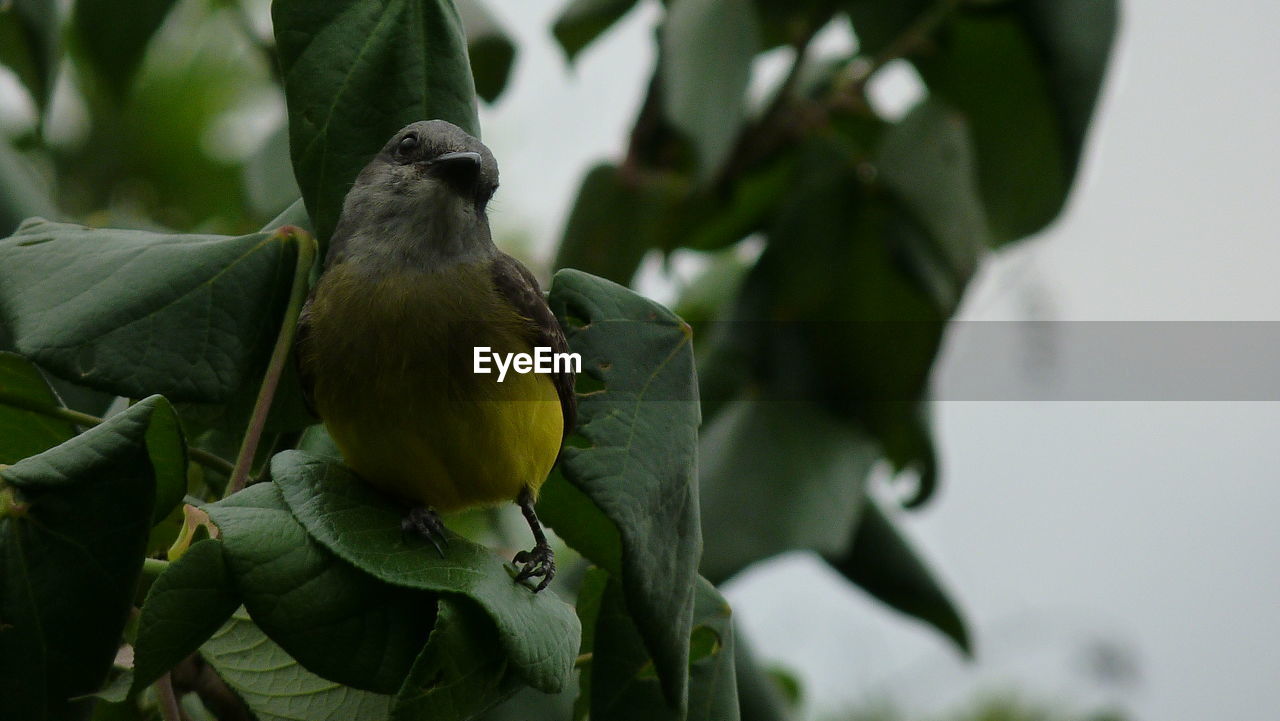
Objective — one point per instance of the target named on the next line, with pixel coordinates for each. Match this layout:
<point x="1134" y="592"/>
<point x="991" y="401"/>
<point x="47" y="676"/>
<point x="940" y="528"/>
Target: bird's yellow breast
<point x="391" y="358"/>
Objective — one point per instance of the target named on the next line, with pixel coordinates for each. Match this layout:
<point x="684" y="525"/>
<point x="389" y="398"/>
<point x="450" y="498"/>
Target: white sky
<point x="1149" y="526"/>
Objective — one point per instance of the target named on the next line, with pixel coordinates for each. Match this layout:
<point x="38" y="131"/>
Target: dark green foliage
<point x="301" y="590"/>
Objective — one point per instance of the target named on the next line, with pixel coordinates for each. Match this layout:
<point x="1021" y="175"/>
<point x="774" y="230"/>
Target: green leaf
<point x="114" y="42"/>
<point x="884" y="564"/>
<point x="135" y="313"/>
<point x="539" y="632"/>
<point x="877" y="24"/>
<point x="491" y="50"/>
<point x="23" y="191"/>
<point x="462" y="671"/>
<point x="338" y="622"/>
<point x="73" y="527"/>
<point x="778" y="476"/>
<point x="355" y="73"/>
<point x="276" y="687"/>
<point x="617" y="218"/>
<point x="582" y="21"/>
<point x="926" y="159"/>
<point x="638" y="464"/>
<point x="623" y="684"/>
<point x="23" y="432"/>
<point x="705" y="63"/>
<point x="190" y="601"/>
<point x="30" y="44"/>
<point x="1025" y="74"/>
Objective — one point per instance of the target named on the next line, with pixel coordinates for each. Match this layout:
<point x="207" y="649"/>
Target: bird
<point x="412" y="284"/>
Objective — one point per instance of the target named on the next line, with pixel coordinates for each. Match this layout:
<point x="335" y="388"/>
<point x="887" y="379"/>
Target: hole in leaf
<point x="703" y="643"/>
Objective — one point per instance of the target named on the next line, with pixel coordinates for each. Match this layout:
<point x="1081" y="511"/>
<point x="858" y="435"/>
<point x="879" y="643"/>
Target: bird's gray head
<point x="424" y="194"/>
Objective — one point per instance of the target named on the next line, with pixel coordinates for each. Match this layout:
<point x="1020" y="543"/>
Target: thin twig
<point x="169" y="708"/>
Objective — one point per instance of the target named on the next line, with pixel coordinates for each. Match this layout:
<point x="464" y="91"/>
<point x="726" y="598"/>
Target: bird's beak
<point x="461" y="168"/>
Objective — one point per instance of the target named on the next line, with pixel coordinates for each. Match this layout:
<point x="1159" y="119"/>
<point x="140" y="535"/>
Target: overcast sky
<point x="1138" y="536"/>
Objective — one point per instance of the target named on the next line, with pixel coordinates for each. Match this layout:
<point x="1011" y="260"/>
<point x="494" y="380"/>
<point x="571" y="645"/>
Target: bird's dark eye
<point x="408" y="144"/>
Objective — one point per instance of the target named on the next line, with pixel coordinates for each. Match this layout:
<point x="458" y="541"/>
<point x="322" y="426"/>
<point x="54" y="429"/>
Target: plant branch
<point x="169" y="708"/>
<point x="204" y="458"/>
<point x="306" y="244"/>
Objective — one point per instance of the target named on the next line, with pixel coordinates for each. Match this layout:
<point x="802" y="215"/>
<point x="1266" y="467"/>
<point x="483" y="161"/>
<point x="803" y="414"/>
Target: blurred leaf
<point x="268" y="179"/>
<point x="190" y="601"/>
<point x="705" y="63"/>
<point x="491" y="50"/>
<point x="778" y="476"/>
<point x="134" y="313"/>
<point x="115" y="40"/>
<point x="1025" y="75"/>
<point x="338" y="622"/>
<point x="761" y="695"/>
<point x="276" y="687"/>
<point x="877" y="24"/>
<point x="23" y="432"/>
<point x="623" y="684"/>
<point x="73" y="526"/>
<point x="582" y="21"/>
<point x="884" y="564"/>
<point x="538" y="631"/>
<point x="639" y="462"/>
<point x="354" y="74"/>
<point x="927" y="161"/>
<point x="30" y="44"/>
<point x="23" y="193"/>
<point x="617" y="217"/>
<point x="461" y="672"/>
<point x="590" y="599"/>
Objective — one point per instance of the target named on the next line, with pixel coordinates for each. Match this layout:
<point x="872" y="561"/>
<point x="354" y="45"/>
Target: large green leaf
<point x="538" y="631"/>
<point x="491" y="50"/>
<point x="624" y="686"/>
<point x="462" y="671"/>
<point x="115" y="41"/>
<point x="190" y="601"/>
<point x="1025" y="74"/>
<point x="276" y="687"/>
<point x="883" y="563"/>
<point x="73" y="531"/>
<point x="582" y="21"/>
<point x="638" y="460"/>
<point x="135" y="313"/>
<point x="617" y="218"/>
<point x="340" y="623"/>
<point x="778" y="476"/>
<point x="707" y="50"/>
<point x="356" y="72"/>
<point x="29" y="44"/>
<point x="24" y="432"/>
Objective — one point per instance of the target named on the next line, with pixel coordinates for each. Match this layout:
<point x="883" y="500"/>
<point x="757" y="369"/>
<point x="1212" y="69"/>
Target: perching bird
<point x="412" y="284"/>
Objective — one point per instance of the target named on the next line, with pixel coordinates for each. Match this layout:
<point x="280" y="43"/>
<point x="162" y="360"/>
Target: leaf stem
<point x="284" y="343"/>
<point x="204" y="458"/>
<point x="169" y="708"/>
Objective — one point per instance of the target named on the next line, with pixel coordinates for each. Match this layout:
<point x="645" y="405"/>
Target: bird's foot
<point x="424" y="521"/>
<point x="538" y="563"/>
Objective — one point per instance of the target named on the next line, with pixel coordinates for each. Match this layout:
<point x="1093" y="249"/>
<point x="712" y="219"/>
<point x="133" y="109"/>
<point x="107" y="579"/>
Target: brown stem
<point x="275" y="367"/>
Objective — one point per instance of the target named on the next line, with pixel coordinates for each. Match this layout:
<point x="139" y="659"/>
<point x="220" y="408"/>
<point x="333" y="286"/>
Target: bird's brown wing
<point x="515" y="283"/>
<point x="301" y="352"/>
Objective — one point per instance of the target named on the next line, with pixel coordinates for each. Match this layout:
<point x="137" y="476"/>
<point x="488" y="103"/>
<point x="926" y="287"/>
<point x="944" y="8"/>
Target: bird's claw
<point x="538" y="563"/>
<point x="426" y="523"/>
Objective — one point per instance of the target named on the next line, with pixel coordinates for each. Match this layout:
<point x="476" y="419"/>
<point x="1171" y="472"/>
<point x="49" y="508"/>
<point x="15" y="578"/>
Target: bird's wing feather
<point x="515" y="283"/>
<point x="301" y="353"/>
